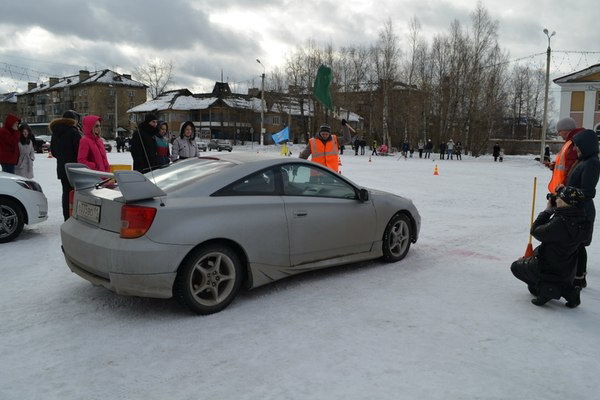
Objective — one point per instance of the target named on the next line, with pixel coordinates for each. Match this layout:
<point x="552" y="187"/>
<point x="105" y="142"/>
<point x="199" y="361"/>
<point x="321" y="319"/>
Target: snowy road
<point x="448" y="322"/>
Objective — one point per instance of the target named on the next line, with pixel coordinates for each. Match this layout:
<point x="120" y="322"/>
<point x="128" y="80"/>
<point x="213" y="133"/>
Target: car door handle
<point x="300" y="213"/>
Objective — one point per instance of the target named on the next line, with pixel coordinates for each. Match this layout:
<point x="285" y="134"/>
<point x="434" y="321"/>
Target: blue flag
<point x="282" y="136"/>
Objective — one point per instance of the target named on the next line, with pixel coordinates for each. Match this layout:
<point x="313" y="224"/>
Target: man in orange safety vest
<point x="567" y="157"/>
<point x="324" y="147"/>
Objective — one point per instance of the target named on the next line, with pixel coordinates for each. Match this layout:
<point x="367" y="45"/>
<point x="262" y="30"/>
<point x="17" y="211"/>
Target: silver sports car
<point x="202" y="228"/>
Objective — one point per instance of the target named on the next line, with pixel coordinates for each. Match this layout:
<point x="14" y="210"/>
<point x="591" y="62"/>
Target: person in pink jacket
<point x="91" y="147"/>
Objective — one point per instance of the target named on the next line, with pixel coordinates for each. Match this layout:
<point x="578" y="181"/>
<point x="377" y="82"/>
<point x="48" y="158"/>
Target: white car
<point x="21" y="202"/>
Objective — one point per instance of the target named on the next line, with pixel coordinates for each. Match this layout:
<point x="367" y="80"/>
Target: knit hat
<point x="325" y="128"/>
<point x="150" y="117"/>
<point x="566" y="124"/>
<point x="72" y="115"/>
<point x="571" y="195"/>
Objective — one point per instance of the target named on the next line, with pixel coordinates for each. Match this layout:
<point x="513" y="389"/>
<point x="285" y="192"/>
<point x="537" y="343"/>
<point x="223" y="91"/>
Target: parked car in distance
<point x="21" y="202"/>
<point x="202" y="145"/>
<point x="243" y="220"/>
<point x="42" y="143"/>
<point x="220" y="145"/>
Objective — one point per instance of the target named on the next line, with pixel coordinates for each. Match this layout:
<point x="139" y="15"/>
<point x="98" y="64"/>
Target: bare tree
<point x="156" y="74"/>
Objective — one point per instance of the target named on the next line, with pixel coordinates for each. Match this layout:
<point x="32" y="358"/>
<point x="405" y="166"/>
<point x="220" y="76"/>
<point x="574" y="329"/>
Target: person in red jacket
<point x="567" y="157"/>
<point x="9" y="143"/>
<point x="91" y="147"/>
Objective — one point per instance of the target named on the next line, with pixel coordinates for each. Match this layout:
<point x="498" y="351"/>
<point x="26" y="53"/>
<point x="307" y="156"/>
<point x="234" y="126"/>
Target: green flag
<point x="321" y="86"/>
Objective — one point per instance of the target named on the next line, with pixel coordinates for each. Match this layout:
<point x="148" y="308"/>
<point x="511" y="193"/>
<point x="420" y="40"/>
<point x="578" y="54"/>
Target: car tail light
<point x="71" y="200"/>
<point x="136" y="220"/>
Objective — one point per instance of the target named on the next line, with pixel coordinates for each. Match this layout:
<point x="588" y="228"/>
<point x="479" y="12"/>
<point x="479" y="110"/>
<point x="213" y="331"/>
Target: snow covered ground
<point x="448" y="322"/>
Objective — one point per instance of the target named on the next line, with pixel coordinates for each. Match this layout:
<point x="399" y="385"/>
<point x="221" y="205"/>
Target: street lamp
<point x="545" y="122"/>
<point x="262" y="102"/>
<point x="116" y="111"/>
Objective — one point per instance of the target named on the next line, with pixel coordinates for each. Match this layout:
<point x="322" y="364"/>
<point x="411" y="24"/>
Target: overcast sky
<point x="203" y="38"/>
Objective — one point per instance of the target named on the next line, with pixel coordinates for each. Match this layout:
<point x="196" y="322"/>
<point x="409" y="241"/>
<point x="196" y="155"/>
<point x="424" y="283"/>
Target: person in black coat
<point x="496" y="151"/>
<point x="584" y="175"/>
<point x="443" y="148"/>
<point x="143" y="145"/>
<point x="561" y="229"/>
<point x="64" y="145"/>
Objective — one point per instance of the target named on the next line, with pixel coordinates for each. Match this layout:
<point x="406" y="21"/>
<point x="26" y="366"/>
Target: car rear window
<point x="182" y="173"/>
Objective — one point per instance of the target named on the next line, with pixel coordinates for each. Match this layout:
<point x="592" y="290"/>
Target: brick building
<point x="104" y="93"/>
<point x="8" y="105"/>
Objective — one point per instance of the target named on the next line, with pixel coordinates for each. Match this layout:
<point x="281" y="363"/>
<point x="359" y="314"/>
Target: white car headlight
<point x="31" y="185"/>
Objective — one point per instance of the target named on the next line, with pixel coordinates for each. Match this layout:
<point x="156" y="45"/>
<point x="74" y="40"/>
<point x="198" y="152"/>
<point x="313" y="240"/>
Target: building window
<point x="130" y="93"/>
<point x="597" y="101"/>
<point x="276" y="120"/>
<point x="111" y="92"/>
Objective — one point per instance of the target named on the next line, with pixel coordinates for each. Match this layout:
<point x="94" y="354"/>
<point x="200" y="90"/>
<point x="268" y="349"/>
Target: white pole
<point x="545" y="121"/>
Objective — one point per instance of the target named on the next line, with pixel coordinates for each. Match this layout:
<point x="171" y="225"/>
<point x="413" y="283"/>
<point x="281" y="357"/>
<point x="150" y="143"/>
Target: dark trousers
<point x="8" y="168"/>
<point x="66" y="190"/>
<point x="420" y="153"/>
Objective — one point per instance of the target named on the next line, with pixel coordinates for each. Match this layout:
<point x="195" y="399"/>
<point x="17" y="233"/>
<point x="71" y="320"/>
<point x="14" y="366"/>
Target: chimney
<point x="53" y="81"/>
<point x="83" y="75"/>
<point x="31" y="85"/>
<point x="127" y="76"/>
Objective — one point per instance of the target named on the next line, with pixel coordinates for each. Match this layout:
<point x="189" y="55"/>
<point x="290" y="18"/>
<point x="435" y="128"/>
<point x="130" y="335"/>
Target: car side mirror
<point x="363" y="195"/>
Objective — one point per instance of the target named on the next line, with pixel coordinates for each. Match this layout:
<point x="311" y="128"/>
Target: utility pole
<point x="262" y="102"/>
<point x="545" y="122"/>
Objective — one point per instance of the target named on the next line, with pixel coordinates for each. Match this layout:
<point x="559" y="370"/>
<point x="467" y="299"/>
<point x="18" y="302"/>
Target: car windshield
<point x="184" y="172"/>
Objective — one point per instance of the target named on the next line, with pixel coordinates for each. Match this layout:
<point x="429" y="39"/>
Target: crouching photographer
<point x="561" y="228"/>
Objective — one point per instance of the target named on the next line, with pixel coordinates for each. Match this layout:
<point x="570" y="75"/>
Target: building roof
<point x="10" y="97"/>
<point x="183" y="100"/>
<point x="589" y="74"/>
<point x="105" y="76"/>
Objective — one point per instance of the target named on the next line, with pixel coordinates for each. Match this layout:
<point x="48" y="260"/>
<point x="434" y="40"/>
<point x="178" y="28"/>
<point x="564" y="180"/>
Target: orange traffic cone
<point x="435" y="170"/>
<point x="339" y="165"/>
<point x="50" y="154"/>
<point x="369" y="158"/>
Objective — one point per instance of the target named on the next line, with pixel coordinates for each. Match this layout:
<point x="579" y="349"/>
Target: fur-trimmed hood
<point x="61" y="121"/>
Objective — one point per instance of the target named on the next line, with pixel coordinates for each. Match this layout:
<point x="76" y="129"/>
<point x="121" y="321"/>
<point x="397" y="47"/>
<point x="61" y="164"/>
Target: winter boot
<point x="547" y="292"/>
<point x="580" y="281"/>
<point x="572" y="295"/>
<point x="533" y="290"/>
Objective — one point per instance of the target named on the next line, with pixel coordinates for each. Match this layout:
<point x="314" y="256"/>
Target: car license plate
<point x="90" y="212"/>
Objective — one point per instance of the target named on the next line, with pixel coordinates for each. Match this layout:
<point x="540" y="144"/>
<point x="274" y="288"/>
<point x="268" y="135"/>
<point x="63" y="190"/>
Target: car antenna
<point x="137" y="129"/>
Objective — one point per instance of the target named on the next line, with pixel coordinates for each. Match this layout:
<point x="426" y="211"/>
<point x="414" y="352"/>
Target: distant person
<point x="405" y="148"/>
<point x="561" y="228"/>
<point x="64" y="146"/>
<point x="374" y="145"/>
<point x="323" y="148"/>
<point x="91" y="147"/>
<point x="420" y="147"/>
<point x="356" y="145"/>
<point x="428" y="148"/>
<point x="458" y="150"/>
<point x="9" y="143"/>
<point x="120" y="144"/>
<point x="185" y="145"/>
<point x="162" y="145"/>
<point x="584" y="175"/>
<point x="547" y="154"/>
<point x="143" y="144"/>
<point x="24" y="166"/>
<point x="363" y="144"/>
<point x="443" y="148"/>
<point x="496" y="152"/>
<point x="450" y="149"/>
<point x="566" y="157"/>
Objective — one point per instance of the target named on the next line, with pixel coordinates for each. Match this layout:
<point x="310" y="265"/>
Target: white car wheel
<point x="11" y="220"/>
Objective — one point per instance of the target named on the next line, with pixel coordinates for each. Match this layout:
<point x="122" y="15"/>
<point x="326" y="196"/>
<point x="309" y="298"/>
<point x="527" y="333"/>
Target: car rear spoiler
<point x="133" y="184"/>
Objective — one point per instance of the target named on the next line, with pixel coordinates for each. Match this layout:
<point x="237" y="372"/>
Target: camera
<point x="553" y="196"/>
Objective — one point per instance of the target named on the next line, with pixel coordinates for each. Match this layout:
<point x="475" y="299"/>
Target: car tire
<point x="208" y="279"/>
<point x="397" y="238"/>
<point x="11" y="220"/>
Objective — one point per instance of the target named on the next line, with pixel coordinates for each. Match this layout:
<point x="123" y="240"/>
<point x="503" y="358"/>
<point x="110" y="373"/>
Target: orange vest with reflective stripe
<point x="325" y="153"/>
<point x="559" y="174"/>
